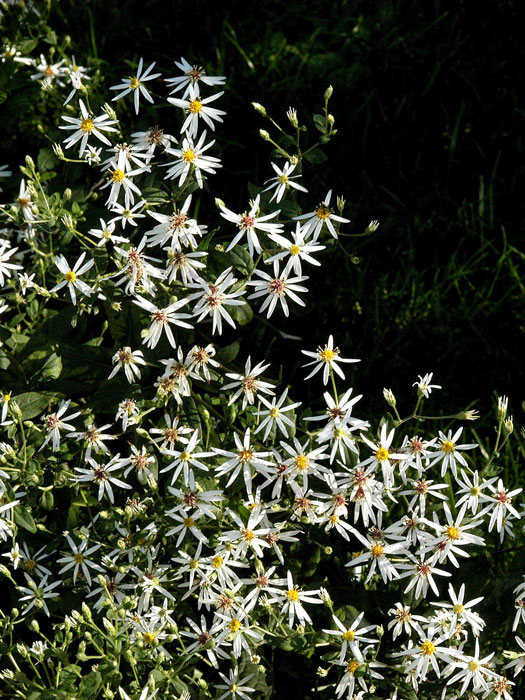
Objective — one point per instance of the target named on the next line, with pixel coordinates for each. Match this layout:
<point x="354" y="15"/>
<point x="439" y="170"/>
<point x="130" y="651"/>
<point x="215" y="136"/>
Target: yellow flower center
<point x="427" y="648"/>
<point x="149" y="638"/>
<point x="293" y="595"/>
<point x="106" y="233"/>
<point x="473" y="665"/>
<point x="184" y="456"/>
<point x="382" y="454"/>
<point x="117" y="175"/>
<point x="349" y="635"/>
<point x="282" y="179"/>
<point x="86" y="125"/>
<point x="326" y="355"/>
<point x="188" y="522"/>
<point x="245" y="455"/>
<point x="322" y="212"/>
<point x="295" y="250"/>
<point x="447" y="447"/>
<point x="233" y="687"/>
<point x="189" y="156"/>
<point x="333" y="519"/>
<point x="352" y="667"/>
<point x="194" y="564"/>
<point x="78" y="558"/>
<point x="134" y="83"/>
<point x="458" y="608"/>
<point x="452" y="532"/>
<point x="70" y="276"/>
<point x="217" y="561"/>
<point x="475" y="491"/>
<point x="234" y="625"/>
<point x="195" y="106"/>
<point x="248" y="535"/>
<point x="377" y="550"/>
<point x="301" y="462"/>
<point x="274" y="412"/>
<point x="339" y="433"/>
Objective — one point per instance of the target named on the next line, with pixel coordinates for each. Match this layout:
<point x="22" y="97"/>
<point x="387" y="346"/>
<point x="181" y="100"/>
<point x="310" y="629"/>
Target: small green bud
<point x="328" y="93"/>
<point x="67" y="194"/>
<point x="30" y="162"/>
<point x="389" y="397"/>
<point x="259" y="108"/>
<point x="264" y="134"/>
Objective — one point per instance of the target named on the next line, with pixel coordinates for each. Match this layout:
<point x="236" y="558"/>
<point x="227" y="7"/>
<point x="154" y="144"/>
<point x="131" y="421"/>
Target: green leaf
<point x="320" y="123"/>
<point x="315" y="157"/>
<point x="90" y="684"/>
<point x="24" y="519"/>
<point x="229" y="353"/>
<point x="241" y="260"/>
<point x="154" y="195"/>
<point x="32" y="403"/>
<point x="242" y="314"/>
<point x="46" y="159"/>
<point x="51" y="368"/>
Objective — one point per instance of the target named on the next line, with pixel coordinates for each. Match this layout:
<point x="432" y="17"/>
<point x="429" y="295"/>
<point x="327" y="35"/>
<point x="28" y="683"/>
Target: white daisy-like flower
<point x="424" y="387"/>
<point x="128" y="359"/>
<point x="248" y="223"/>
<point x="235" y="686"/>
<point x="283" y="181"/>
<point x="135" y="85"/>
<point x="326" y="358"/>
<point x="293" y="600"/>
<point x="277" y="287"/>
<point x="178" y="229"/>
<point x="105" y="233"/>
<point x="55" y="422"/>
<point x="101" y="474"/>
<point x="248" y="383"/>
<point x="351" y="636"/>
<point x="449" y="452"/>
<point x="71" y="276"/>
<point x="297" y="249"/>
<point x="190" y="158"/>
<point x="36" y="593"/>
<point x="78" y="560"/>
<point x="161" y="319"/>
<point x="127" y="215"/>
<point x="273" y="415"/>
<point x="84" y="126"/>
<point x="191" y="76"/>
<point x="24" y="202"/>
<point x="152" y="138"/>
<point x="5" y="266"/>
<point x="49" y="71"/>
<point x="323" y="215"/>
<point x="196" y="108"/>
<point x="213" y="297"/>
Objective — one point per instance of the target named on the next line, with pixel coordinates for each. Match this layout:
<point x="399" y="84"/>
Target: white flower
<point x="405" y="620"/>
<point x="128" y="359"/>
<point x="5" y="267"/>
<point x="94" y="437"/>
<point x="191" y="76"/>
<point x="449" y="452"/>
<point x="49" y="71"/>
<point x="326" y="358"/>
<point x="178" y="228"/>
<point x="277" y="287"/>
<point x="298" y="249"/>
<point x="78" y="560"/>
<point x="424" y="387"/>
<point x="86" y="125"/>
<point x="212" y="298"/>
<point x="55" y="422"/>
<point x="248" y="223"/>
<point x="135" y="85"/>
<point x="105" y="233"/>
<point x="235" y="686"/>
<point x="101" y="474"/>
<point x="428" y="652"/>
<point x="138" y="270"/>
<point x="351" y="636"/>
<point x="500" y="503"/>
<point x="274" y="415"/>
<point x="71" y="276"/>
<point x="293" y="600"/>
<point x="190" y="159"/>
<point x="196" y="107"/>
<point x="315" y="220"/>
<point x="161" y="318"/>
<point x="460" y="612"/>
<point x="37" y="593"/>
<point x="122" y="177"/>
<point x="382" y="455"/>
<point x="247" y="383"/>
<point x="24" y="202"/>
<point x="474" y="669"/>
<point x="150" y="139"/>
<point x="422" y="573"/>
<point x="283" y="181"/>
<point x="26" y="281"/>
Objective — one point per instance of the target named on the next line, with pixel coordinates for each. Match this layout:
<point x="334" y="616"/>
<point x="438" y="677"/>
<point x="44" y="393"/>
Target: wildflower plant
<point x="171" y="516"/>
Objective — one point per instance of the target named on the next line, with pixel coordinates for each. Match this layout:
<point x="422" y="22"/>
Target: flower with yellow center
<point x="117" y="175"/>
<point x="86" y="125"/>
<point x="301" y="462"/>
<point x="189" y="155"/>
<point x="452" y="532"/>
<point x="195" y="106"/>
<point x="293" y="595"/>
<point x="70" y="276"/>
<point x="234" y="625"/>
<point x="349" y="635"/>
<point x="448" y="446"/>
<point x="134" y="83"/>
<point x="188" y="522"/>
<point x="295" y="249"/>
<point x="382" y="454"/>
<point x="352" y="666"/>
<point x="217" y="561"/>
<point x="377" y="551"/>
<point x="149" y="638"/>
<point x="427" y="648"/>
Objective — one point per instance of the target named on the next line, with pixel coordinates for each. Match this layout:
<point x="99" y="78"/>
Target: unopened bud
<point x="259" y="108"/>
<point x="330" y="119"/>
<point x="264" y="134"/>
<point x="468" y="415"/>
<point x="30" y="162"/>
<point x="292" y="117"/>
<point x="67" y="194"/>
<point x="219" y="203"/>
<point x="389" y="397"/>
<point x="341" y="202"/>
<point x="325" y="596"/>
<point x="328" y="92"/>
<point x="322" y="672"/>
<point x="328" y="551"/>
<point x="57" y="150"/>
<point x="380" y="630"/>
<point x="372" y="226"/>
<point x="508" y="425"/>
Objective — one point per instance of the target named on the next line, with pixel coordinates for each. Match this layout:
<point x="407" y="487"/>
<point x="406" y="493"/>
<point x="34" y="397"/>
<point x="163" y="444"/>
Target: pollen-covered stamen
<point x="99" y="474"/>
<point x="277" y="287"/>
<point x="473" y="665"/>
<point x="188" y="522"/>
<point x="295" y="249"/>
<point x="190" y="499"/>
<point x="352" y="666"/>
<point x="447" y="446"/>
<point x="333" y="519"/>
<point x="302" y="503"/>
<point x="117" y="175"/>
<point x="140" y="461"/>
<point x="293" y="595"/>
<point x="134" y="83"/>
<point x="196" y="73"/>
<point x="323" y="212"/>
<point x="178" y="220"/>
<point x="452" y="532"/>
<point x="86" y="125"/>
<point x="23" y="202"/>
<point x="78" y="558"/>
<point x="301" y="462"/>
<point x="416" y="445"/>
<point x="167" y="384"/>
<point x="349" y="635"/>
<point x="70" y="276"/>
<point x="427" y="648"/>
<point x="274" y="412"/>
<point x="250" y="385"/>
<point x="382" y="454"/>
<point x="149" y="638"/>
<point x="51" y="421"/>
<point x="501" y="497"/>
<point x="189" y="155"/>
<point x="423" y="569"/>
<point x="184" y="456"/>
<point x="248" y="535"/>
<point x="155" y="135"/>
<point x="377" y="551"/>
<point x="458" y="608"/>
<point x="339" y="500"/>
<point x="160" y="316"/>
<point x="283" y="179"/>
<point x="272" y="538"/>
<point x="261" y="581"/>
<point x="246" y="222"/>
<point x="245" y="456"/>
<point x="234" y="625"/>
<point x="195" y="106"/>
<point x="170" y="434"/>
<point x="125" y="357"/>
<point x="327" y="354"/>
<point x="91" y="436"/>
<point x="403" y="615"/>
<point x="421" y="487"/>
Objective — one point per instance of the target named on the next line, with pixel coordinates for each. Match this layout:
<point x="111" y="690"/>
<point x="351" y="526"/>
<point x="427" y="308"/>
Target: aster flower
<point x="326" y="358"/>
<point x="71" y="276"/>
<point x="248" y="223"/>
<point x="298" y="249"/>
<point x="128" y="359"/>
<point x="191" y="76"/>
<point x="161" y="319"/>
<point x="135" y="85"/>
<point x="247" y="383"/>
<point x="273" y="415"/>
<point x="213" y="297"/>
<point x="283" y="181"/>
<point x="351" y="636"/>
<point x="424" y="387"/>
<point x="55" y="422"/>
<point x="101" y="474"/>
<point x="78" y="560"/>
<point x="277" y="287"/>
<point x="36" y="594"/>
<point x="5" y="266"/>
<point x="449" y="452"/>
<point x="196" y="108"/>
<point x="323" y="215"/>
<point x="235" y="686"/>
<point x="293" y="600"/>
<point x="190" y="158"/>
<point x="84" y="126"/>
<point x="177" y="229"/>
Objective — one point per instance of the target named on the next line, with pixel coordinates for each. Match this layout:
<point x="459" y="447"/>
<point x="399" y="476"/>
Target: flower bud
<point x="341" y="204"/>
<point x="67" y="194"/>
<point x="259" y="108"/>
<point x="30" y="162"/>
<point x="292" y="117"/>
<point x="328" y="93"/>
<point x="503" y="403"/>
<point x="389" y="397"/>
<point x="330" y="119"/>
<point x="468" y="415"/>
<point x="372" y="226"/>
<point x="508" y="425"/>
<point x="264" y="134"/>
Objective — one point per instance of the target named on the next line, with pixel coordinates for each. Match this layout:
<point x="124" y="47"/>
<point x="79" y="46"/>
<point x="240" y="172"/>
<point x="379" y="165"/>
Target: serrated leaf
<point x="24" y="519"/>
